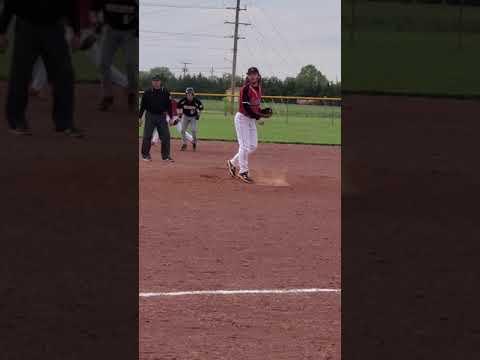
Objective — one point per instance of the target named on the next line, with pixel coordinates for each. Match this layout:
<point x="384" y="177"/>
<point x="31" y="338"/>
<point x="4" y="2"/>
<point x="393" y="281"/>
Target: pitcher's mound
<point x="270" y="178"/>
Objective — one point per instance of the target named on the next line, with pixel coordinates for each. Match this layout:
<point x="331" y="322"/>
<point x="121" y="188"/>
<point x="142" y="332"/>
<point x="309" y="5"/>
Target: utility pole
<point x="211" y="72"/>
<point x="185" y="70"/>
<point x="235" y="45"/>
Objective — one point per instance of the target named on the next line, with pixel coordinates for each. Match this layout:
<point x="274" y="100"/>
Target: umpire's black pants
<point x="47" y="41"/>
<point x="158" y="121"/>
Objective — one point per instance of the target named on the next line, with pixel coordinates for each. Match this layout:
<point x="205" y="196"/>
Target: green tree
<point x="310" y="81"/>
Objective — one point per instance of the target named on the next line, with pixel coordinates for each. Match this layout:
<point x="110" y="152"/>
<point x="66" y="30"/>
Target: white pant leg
<point x="155" y="136"/>
<point x="188" y="136"/>
<point x="118" y="78"/>
<point x="39" y="76"/>
<point x="246" y="129"/>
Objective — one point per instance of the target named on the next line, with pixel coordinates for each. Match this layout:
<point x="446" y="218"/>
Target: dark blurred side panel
<point x="409" y="179"/>
<point x="69" y="195"/>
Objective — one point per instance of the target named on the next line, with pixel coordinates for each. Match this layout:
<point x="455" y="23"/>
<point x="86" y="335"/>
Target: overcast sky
<point x="284" y="36"/>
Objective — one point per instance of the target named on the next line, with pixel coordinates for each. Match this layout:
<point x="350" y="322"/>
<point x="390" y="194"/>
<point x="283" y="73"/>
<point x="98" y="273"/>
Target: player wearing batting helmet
<point x="246" y="124"/>
<point x="190" y="107"/>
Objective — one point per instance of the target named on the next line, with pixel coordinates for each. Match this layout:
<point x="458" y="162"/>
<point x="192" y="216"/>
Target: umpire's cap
<point x="253" y="70"/>
<point x="156" y="78"/>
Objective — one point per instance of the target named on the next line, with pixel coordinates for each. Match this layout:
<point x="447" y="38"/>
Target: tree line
<point x="308" y="82"/>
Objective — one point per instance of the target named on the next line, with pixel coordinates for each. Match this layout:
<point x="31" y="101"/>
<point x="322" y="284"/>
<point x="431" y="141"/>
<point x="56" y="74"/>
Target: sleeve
<point x="6" y="16"/>
<point x="199" y="105"/>
<point x="180" y="104"/>
<point x="169" y="97"/>
<point x="246" y="104"/>
<point x="142" y="104"/>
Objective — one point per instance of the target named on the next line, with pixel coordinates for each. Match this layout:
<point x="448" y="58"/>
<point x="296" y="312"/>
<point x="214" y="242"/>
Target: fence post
<point x="353" y="22"/>
<point x="460" y="25"/>
<point x="286" y="119"/>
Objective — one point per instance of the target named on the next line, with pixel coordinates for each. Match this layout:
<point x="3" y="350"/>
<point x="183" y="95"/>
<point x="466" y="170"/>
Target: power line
<point x="264" y="60"/>
<point x="181" y="34"/>
<point x="278" y="54"/>
<point x="155" y="41"/>
<point x="196" y="67"/>
<point x="197" y="7"/>
<point x="282" y="38"/>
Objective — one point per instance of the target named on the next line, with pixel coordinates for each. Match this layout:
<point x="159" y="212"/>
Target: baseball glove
<point x="267" y="112"/>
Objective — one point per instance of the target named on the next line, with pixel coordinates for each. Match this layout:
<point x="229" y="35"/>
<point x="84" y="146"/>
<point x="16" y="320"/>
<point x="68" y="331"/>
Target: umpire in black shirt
<point x="156" y="103"/>
<point x="40" y="31"/>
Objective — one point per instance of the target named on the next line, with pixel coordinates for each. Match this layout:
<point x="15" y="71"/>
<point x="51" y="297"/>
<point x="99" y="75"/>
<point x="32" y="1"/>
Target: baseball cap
<point x="156" y="78"/>
<point x="189" y="90"/>
<point x="252" y="70"/>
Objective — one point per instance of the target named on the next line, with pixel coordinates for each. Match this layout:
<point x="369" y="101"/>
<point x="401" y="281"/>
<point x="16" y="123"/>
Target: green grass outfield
<point x="411" y="49"/>
<point x="313" y="125"/>
<point x="421" y="63"/>
<point x="84" y="69"/>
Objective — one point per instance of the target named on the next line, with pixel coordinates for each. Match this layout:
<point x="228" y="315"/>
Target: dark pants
<point x="48" y="42"/>
<point x="153" y="121"/>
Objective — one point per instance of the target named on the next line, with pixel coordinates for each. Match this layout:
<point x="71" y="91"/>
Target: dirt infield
<point x="69" y="233"/>
<point x="202" y="230"/>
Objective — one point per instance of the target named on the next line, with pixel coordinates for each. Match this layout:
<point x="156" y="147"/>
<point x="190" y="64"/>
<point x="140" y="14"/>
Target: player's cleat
<point x="169" y="159"/>
<point x="184" y="147"/>
<point x="21" y="131"/>
<point x="146" y="158"/>
<point x="231" y="169"/>
<point x="245" y="178"/>
<point x="74" y="133"/>
<point x="194" y="146"/>
<point x="106" y="103"/>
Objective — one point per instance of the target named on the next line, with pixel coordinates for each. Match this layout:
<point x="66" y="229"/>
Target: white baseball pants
<point x="246" y="129"/>
<point x="188" y="136"/>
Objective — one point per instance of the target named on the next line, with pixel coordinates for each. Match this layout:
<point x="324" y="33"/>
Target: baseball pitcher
<point x="246" y="120"/>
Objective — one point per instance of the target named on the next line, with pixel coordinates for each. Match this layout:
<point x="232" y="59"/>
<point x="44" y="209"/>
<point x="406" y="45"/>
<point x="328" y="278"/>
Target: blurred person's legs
<point x="39" y="77"/>
<point x="131" y="57"/>
<point x="26" y="49"/>
<point x="55" y="53"/>
<point x="118" y="78"/>
<point x="110" y="43"/>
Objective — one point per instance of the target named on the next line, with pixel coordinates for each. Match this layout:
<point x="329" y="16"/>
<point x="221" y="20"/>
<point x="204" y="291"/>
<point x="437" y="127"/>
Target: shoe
<point x="146" y="158"/>
<point x="73" y="133"/>
<point x="106" y="103"/>
<point x="21" y="131"/>
<point x="169" y="159"/>
<point x="194" y="146"/>
<point x="245" y="178"/>
<point x="231" y="169"/>
<point x="184" y="147"/>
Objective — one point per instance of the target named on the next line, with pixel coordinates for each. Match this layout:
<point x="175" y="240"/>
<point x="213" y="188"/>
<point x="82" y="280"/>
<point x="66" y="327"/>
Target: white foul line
<point x="238" y="292"/>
